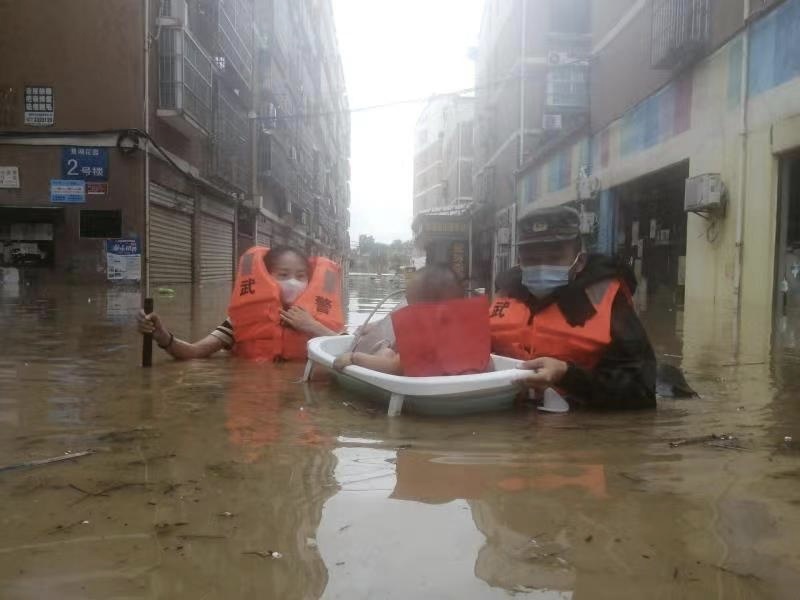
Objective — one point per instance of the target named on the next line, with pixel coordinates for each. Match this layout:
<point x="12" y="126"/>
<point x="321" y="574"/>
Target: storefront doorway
<point x="27" y="236"/>
<point x="787" y="271"/>
<point x="651" y="236"/>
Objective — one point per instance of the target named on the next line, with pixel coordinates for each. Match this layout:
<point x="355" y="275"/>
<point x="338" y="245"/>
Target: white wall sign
<point x="9" y="177"/>
<point x="39" y="106"/>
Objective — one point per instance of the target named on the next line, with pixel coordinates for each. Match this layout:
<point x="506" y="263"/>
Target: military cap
<point x="547" y="225"/>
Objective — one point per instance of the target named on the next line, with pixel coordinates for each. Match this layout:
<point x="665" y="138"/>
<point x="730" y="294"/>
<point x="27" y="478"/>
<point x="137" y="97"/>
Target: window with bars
<point x="184" y="76"/>
<point x="235" y="36"/>
<point x="567" y="87"/>
<point x="680" y="31"/>
<point x="231" y="141"/>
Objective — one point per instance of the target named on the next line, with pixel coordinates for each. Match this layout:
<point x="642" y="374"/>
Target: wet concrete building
<point x="136" y="137"/>
<point x="443" y="197"/>
<point x="531" y="85"/>
<point x="688" y="166"/>
<point x="302" y="177"/>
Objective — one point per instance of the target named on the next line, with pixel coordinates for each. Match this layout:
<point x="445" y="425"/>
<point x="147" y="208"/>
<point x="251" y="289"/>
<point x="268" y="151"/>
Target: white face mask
<point x="291" y="289"/>
<point x="543" y="280"/>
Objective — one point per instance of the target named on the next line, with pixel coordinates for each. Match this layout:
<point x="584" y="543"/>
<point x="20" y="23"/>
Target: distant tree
<point x="365" y="244"/>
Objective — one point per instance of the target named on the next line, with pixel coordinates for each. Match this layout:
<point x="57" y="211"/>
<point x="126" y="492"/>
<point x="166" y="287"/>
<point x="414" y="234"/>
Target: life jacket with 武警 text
<point x="255" y="307"/>
<point x="518" y="332"/>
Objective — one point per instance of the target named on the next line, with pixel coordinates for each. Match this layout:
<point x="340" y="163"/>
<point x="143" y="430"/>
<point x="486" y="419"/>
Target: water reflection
<point x="203" y="468"/>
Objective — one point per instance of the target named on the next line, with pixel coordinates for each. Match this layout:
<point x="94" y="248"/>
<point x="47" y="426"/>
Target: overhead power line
<point x="391" y="103"/>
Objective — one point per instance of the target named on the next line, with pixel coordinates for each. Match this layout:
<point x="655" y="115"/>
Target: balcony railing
<point x="275" y="166"/>
<point x="184" y="81"/>
<point x="567" y="87"/>
<point x="231" y="146"/>
<point x="235" y="37"/>
<point x="680" y="31"/>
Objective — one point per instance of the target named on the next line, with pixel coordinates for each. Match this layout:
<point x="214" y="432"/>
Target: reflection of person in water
<point x="280" y="300"/>
<point x="274" y="446"/>
<point x="257" y="417"/>
<point x="500" y="494"/>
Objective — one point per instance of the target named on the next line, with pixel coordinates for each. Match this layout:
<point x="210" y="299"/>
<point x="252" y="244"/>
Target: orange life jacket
<point x="518" y="334"/>
<point x="255" y="307"/>
<point x="443" y="338"/>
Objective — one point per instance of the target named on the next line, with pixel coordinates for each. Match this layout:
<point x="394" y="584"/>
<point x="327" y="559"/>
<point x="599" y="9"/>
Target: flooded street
<point x="226" y="479"/>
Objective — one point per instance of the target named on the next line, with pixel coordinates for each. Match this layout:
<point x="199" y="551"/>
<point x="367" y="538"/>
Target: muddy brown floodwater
<point x="225" y="479"/>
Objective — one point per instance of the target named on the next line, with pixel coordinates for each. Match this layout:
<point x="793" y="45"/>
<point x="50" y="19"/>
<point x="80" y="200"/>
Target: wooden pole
<point x="147" y="339"/>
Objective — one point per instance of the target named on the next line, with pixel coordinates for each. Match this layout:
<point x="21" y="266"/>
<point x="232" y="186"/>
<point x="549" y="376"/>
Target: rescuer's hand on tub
<point x="280" y="300"/>
<point x="570" y="315"/>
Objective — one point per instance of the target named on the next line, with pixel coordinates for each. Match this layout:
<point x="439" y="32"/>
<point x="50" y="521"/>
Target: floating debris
<point x="226" y="514"/>
<point x="703" y="439"/>
<point x="164" y="527"/>
<point x="45" y="461"/>
<point x="266" y="554"/>
<point x="105" y="491"/>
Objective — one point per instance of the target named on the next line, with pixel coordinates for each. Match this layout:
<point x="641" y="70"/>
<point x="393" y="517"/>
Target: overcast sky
<point x="395" y="50"/>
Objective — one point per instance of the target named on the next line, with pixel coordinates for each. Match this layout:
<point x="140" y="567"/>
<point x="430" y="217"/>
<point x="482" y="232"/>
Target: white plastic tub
<point x="454" y="395"/>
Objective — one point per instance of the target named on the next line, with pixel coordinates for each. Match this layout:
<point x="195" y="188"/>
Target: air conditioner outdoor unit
<point x="704" y="194"/>
<point x="557" y="58"/>
<point x="174" y="13"/>
<point x="552" y="122"/>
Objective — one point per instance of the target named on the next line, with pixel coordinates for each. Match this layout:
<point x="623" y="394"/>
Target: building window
<point x="569" y="16"/>
<point x="566" y="86"/>
<point x="101" y="223"/>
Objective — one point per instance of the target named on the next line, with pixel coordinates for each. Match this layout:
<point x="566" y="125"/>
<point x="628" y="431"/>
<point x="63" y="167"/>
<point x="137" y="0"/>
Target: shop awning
<point x="443" y="223"/>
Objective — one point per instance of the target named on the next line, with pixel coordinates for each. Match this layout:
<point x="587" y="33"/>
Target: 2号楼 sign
<point x="89" y="164"/>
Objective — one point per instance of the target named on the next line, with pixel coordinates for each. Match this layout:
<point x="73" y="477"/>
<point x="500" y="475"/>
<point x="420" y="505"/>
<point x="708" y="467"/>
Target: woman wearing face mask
<point x="570" y="316"/>
<point x="279" y="301"/>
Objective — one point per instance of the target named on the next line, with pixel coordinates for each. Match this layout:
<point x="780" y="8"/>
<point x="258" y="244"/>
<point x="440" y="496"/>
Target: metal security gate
<point x="216" y="241"/>
<point x="505" y="241"/>
<point x="264" y="231"/>
<point x="170" y="236"/>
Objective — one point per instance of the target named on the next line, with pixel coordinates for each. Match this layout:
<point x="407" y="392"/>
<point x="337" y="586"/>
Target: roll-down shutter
<point x="170" y="236"/>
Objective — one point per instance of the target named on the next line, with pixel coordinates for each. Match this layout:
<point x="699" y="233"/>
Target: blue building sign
<point x="88" y="164"/>
<point x="124" y="259"/>
<point x="125" y="247"/>
<point x="66" y="191"/>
